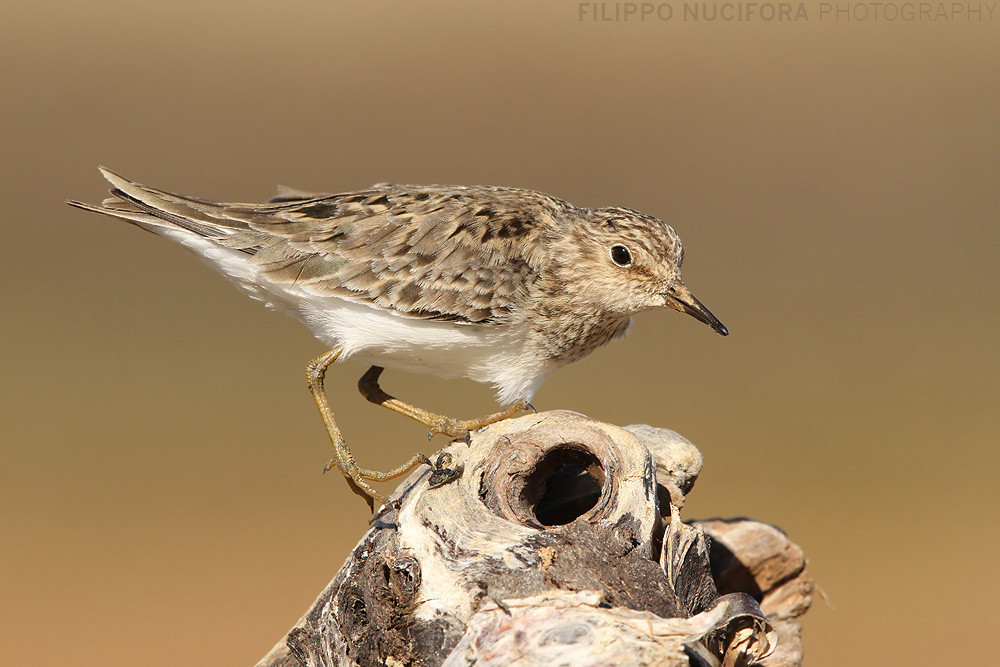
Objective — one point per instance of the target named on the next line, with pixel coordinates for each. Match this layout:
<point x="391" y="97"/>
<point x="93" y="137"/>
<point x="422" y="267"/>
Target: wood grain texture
<point x="561" y="541"/>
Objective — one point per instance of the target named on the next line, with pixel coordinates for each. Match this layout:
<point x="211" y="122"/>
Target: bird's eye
<point x="620" y="255"/>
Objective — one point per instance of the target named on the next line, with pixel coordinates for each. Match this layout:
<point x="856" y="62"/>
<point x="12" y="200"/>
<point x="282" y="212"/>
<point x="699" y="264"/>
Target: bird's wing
<point x="462" y="254"/>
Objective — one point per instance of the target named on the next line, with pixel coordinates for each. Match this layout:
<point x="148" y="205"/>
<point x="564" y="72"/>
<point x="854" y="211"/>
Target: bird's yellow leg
<point x="456" y="428"/>
<point x="343" y="460"/>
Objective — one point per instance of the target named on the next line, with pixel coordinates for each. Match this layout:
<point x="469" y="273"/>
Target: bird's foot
<point x="358" y="478"/>
<point x="459" y="428"/>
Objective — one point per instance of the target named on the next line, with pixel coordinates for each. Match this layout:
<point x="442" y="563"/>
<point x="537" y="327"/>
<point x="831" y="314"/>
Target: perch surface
<point x="560" y="541"/>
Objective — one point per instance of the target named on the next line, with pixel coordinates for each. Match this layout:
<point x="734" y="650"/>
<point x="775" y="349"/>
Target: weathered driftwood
<point x="560" y="542"/>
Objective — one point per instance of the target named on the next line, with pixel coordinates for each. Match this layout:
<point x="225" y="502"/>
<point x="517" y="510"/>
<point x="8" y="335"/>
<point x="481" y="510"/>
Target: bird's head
<point x="630" y="262"/>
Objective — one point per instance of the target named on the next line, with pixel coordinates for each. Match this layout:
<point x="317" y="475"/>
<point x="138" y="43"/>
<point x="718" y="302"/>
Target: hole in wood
<point x="567" y="483"/>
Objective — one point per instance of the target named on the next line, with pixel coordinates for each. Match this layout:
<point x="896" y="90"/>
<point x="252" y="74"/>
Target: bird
<point x="500" y="285"/>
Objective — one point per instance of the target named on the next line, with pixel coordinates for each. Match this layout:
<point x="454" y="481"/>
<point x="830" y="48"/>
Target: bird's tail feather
<point x="155" y="210"/>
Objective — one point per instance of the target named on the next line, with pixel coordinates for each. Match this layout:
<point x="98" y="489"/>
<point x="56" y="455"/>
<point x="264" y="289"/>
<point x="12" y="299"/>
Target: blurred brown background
<point x="835" y="183"/>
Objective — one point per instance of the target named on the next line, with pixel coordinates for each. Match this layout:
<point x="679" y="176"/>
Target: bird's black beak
<point x="679" y="298"/>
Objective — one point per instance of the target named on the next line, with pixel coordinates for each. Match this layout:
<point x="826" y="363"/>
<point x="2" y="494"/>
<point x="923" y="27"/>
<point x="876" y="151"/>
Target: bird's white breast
<point x="495" y="354"/>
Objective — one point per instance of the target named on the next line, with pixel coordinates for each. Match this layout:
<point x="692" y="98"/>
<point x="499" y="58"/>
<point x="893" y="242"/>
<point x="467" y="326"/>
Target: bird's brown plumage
<point x="451" y="253"/>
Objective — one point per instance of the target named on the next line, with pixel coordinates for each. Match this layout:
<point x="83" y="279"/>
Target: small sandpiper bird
<point x="500" y="285"/>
